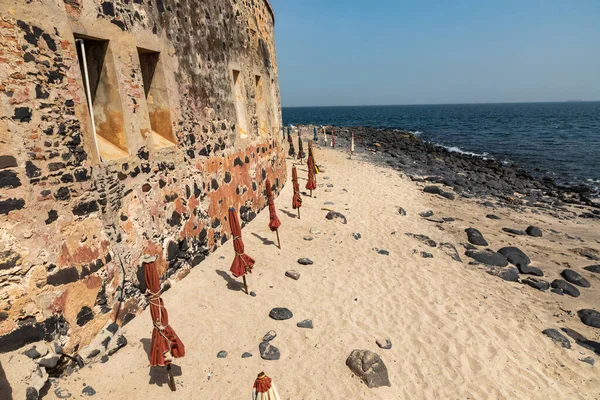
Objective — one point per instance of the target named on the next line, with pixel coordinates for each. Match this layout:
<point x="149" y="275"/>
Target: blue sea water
<point x="562" y="139"/>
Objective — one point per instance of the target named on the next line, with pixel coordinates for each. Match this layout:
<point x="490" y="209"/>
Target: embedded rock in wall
<point x="186" y="120"/>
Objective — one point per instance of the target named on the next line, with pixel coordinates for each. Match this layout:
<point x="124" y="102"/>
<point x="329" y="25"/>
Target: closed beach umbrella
<point x="315" y="137"/>
<point x="301" y="154"/>
<point x="242" y="263"/>
<point x="291" y="151"/>
<point x="274" y="222"/>
<point x="333" y="137"/>
<point x="325" y="135"/>
<point x="352" y="145"/>
<point x="311" y="153"/>
<point x="297" y="199"/>
<point x="311" y="184"/>
<point x="264" y="388"/>
<point x="166" y="345"/>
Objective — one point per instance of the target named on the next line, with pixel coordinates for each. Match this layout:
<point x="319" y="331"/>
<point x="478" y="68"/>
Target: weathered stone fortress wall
<point x="176" y="146"/>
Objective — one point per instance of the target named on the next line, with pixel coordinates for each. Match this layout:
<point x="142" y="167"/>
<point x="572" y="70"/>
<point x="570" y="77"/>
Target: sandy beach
<point x="457" y="332"/>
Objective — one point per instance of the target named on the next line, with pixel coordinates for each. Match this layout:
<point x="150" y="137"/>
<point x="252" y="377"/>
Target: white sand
<point x="457" y="332"/>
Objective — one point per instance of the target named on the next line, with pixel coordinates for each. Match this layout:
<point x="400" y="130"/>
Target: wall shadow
<point x="5" y="388"/>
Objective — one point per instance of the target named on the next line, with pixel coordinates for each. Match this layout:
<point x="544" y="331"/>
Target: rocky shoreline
<point x="467" y="175"/>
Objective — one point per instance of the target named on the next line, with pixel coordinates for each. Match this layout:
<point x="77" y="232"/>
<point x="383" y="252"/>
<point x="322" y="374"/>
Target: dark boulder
<point x="565" y="287"/>
<point x="515" y="256"/>
<point x="331" y="215"/>
<point x="487" y="257"/>
<point x="268" y="351"/>
<point x="557" y="337"/>
<point x="475" y="237"/>
<point x="589" y="317"/>
<point x="538" y="284"/>
<point x="369" y="367"/>
<point x="514" y="231"/>
<point x="529" y="270"/>
<point x="574" y="278"/>
<point x="432" y="189"/>
<point x="593" y="268"/>
<point x="280" y="314"/>
<point x="534" y="231"/>
<point x="510" y="274"/>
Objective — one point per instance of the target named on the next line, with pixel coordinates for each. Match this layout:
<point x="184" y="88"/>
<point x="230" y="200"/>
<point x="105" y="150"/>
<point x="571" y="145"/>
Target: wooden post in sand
<point x="278" y="242"/>
<point x="245" y="284"/>
<point x="298" y="212"/>
<point x="171" y="383"/>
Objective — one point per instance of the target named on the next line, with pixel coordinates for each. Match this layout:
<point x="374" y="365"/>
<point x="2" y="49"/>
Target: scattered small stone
<point x="385" y="344"/>
<point x="565" y="287"/>
<point x="534" y="231"/>
<point x="425" y="254"/>
<point x="475" y="237"/>
<point x="450" y="250"/>
<point x="448" y="219"/>
<point x="269" y="336"/>
<point x="357" y="235"/>
<point x="382" y="251"/>
<point x="246" y="355"/>
<point x="422" y="238"/>
<point x="426" y="214"/>
<point x="222" y="354"/>
<point x="118" y="344"/>
<point x="557" y="337"/>
<point x="574" y="278"/>
<point x="331" y="215"/>
<point x="492" y="216"/>
<point x="56" y="348"/>
<point x="305" y="261"/>
<point x="307" y="323"/>
<point x="369" y="367"/>
<point x="280" y="314"/>
<point x="314" y="231"/>
<point x="432" y="189"/>
<point x="268" y="351"/>
<point x="538" y="284"/>
<point x="88" y="391"/>
<point x="401" y="211"/>
<point x="589" y="360"/>
<point x="329" y="203"/>
<point x="62" y="393"/>
<point x="293" y="274"/>
<point x="252" y="294"/>
<point x="308" y="238"/>
<point x="104" y="359"/>
<point x="514" y="231"/>
<point x="488" y="257"/>
<point x="589" y="317"/>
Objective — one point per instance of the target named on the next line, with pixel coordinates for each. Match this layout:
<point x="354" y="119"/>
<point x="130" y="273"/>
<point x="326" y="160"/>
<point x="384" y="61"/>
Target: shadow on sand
<point x="232" y="284"/>
<point x="266" y="242"/>
<point x="289" y="214"/>
<point x="158" y="375"/>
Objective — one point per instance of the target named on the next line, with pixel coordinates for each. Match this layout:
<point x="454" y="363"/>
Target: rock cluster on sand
<point x="557" y="337"/>
<point x="369" y="367"/>
<point x="488" y="257"/>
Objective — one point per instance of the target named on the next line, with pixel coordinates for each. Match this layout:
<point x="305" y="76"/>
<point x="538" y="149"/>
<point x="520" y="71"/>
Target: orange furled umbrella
<point x="274" y="222"/>
<point x="312" y="183"/>
<point x="242" y="263"/>
<point x="291" y="151"/>
<point x="297" y="199"/>
<point x="166" y="345"/>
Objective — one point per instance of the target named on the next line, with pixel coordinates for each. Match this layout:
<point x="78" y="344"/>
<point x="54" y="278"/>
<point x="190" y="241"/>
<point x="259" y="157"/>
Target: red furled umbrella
<point x="311" y="184"/>
<point x="291" y="151"/>
<point x="264" y="388"/>
<point x="274" y="222"/>
<point x="301" y="154"/>
<point x="242" y="263"/>
<point x="297" y="199"/>
<point x="166" y="345"/>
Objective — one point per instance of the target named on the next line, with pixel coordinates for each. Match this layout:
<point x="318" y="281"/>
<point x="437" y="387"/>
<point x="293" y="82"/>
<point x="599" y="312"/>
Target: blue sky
<point x="360" y="52"/>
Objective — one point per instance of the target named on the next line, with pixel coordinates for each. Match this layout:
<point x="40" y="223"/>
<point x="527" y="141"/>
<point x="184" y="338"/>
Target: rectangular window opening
<point x="155" y="91"/>
<point x="260" y="108"/>
<point x="240" y="103"/>
<point x="104" y="101"/>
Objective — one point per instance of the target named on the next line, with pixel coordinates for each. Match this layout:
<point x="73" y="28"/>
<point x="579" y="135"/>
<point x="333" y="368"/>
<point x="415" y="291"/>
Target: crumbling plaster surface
<point x="72" y="227"/>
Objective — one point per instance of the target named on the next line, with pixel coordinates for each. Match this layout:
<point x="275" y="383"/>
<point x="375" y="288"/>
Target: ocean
<point x="559" y="139"/>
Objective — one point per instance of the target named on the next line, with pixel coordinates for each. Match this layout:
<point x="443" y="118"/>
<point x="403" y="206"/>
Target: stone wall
<point x="77" y="210"/>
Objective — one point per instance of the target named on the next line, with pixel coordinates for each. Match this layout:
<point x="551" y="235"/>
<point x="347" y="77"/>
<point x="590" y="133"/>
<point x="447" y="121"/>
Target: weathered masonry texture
<point x="186" y="110"/>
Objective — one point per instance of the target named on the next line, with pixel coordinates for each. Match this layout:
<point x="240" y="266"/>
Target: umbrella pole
<point x="278" y="242"/>
<point x="298" y="212"/>
<point x="245" y="284"/>
<point x="311" y="193"/>
<point x="171" y="379"/>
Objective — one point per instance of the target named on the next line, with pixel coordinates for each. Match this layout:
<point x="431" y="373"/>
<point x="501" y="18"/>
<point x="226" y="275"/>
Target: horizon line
<point x="446" y="104"/>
